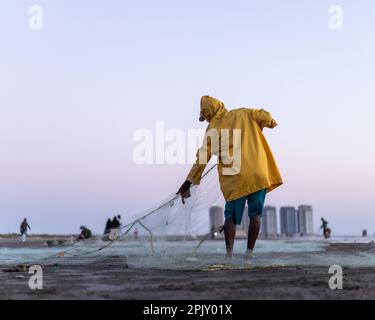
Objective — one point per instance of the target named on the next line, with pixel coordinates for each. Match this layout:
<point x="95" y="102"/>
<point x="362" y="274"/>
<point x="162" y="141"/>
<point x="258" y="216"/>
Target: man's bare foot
<point x="248" y="256"/>
<point x="229" y="253"/>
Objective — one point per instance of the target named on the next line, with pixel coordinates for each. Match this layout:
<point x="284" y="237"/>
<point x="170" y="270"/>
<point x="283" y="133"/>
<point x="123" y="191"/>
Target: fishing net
<point x="173" y="220"/>
<point x="164" y="236"/>
<point x="173" y="235"/>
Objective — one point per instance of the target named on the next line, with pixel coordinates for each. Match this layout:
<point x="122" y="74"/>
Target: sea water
<point x="210" y="255"/>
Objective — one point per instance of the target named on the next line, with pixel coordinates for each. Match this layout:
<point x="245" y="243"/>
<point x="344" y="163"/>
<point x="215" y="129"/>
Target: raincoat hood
<point x="212" y="108"/>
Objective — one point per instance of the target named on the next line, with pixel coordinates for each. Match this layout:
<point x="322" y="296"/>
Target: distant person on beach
<point x="136" y="234"/>
<point x="112" y="229"/>
<point x="116" y="222"/>
<point x="326" y="230"/>
<point x="23" y="229"/>
<point x="85" y="233"/>
<point x="247" y="169"/>
<point x="108" y="226"/>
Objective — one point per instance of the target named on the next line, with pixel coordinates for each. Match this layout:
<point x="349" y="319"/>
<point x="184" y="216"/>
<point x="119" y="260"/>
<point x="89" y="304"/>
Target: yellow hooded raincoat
<point x="257" y="170"/>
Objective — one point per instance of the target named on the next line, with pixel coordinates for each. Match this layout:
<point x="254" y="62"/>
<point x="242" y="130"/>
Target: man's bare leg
<point x="230" y="233"/>
<point x="254" y="228"/>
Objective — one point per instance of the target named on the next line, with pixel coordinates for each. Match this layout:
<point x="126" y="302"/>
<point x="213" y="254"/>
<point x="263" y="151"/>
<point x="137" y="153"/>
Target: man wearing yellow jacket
<point x="246" y="166"/>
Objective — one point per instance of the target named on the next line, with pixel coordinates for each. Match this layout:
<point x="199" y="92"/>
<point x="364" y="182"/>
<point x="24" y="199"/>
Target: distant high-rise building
<point x="216" y="217"/>
<point x="288" y="220"/>
<point x="269" y="222"/>
<point x="305" y="220"/>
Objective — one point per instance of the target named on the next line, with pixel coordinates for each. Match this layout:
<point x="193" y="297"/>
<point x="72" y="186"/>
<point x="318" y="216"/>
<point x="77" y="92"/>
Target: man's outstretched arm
<point x="195" y="175"/>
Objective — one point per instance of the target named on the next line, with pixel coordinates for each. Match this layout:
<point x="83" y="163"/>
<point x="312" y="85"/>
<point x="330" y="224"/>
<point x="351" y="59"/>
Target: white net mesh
<point x="162" y="235"/>
<point x="170" y="235"/>
<point x="172" y="220"/>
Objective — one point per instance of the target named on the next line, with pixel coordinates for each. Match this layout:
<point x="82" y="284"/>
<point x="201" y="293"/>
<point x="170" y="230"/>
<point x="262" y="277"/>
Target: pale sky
<point x="73" y="93"/>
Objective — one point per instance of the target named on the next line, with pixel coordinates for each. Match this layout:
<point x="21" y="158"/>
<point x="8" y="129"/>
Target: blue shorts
<point x="255" y="203"/>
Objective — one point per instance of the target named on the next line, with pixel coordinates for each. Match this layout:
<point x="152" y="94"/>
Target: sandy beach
<point x="112" y="277"/>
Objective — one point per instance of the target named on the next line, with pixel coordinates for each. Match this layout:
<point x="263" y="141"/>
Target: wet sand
<point x="32" y="242"/>
<point x="112" y="278"/>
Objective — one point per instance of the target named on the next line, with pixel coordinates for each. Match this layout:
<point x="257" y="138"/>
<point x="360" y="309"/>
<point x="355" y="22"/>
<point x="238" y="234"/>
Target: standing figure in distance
<point x="23" y="229"/>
